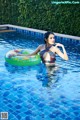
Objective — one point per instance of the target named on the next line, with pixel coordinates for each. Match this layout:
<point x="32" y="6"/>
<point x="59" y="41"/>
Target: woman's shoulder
<point x="42" y="45"/>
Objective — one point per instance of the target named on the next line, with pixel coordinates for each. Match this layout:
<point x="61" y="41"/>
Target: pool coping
<point x="40" y="31"/>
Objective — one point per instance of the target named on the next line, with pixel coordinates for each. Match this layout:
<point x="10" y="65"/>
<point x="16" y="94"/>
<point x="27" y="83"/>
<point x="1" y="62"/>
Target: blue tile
<point x="6" y="94"/>
<point x="18" y="117"/>
<point x="41" y="105"/>
<point x="68" y="118"/>
<point x="52" y="116"/>
<point x="77" y="118"/>
<point x="18" y="107"/>
<point x="27" y="118"/>
<point x="18" y="101"/>
<point x="29" y="112"/>
<point x="75" y="108"/>
<point x="11" y="111"/>
<point x="29" y="106"/>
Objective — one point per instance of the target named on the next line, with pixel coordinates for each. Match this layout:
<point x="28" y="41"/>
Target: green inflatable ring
<point x="13" y="59"/>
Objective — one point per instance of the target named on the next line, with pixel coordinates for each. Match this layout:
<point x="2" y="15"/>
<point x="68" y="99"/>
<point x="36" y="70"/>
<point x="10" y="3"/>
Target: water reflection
<point x="18" y="69"/>
<point x="49" y="76"/>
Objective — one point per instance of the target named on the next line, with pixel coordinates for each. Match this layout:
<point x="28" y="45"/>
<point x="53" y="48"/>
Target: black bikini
<point x="52" y="55"/>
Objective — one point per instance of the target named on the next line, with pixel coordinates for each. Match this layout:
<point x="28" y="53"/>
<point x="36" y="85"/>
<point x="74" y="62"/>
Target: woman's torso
<point x="47" y="55"/>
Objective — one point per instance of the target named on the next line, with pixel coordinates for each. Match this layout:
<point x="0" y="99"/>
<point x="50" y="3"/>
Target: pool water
<point x="37" y="92"/>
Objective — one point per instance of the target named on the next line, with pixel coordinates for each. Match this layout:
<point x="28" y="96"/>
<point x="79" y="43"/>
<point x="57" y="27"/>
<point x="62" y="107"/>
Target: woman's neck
<point x="48" y="45"/>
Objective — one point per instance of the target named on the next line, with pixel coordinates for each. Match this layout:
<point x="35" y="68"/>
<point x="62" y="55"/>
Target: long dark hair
<point x="46" y="35"/>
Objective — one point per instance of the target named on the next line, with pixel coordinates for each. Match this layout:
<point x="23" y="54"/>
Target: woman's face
<point x="51" y="39"/>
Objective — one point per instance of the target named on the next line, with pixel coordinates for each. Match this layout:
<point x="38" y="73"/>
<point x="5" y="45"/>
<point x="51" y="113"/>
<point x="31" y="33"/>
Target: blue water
<point x="37" y="92"/>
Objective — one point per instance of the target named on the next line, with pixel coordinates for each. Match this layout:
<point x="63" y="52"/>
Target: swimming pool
<point x="36" y="93"/>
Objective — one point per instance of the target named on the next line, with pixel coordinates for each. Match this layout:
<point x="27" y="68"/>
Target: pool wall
<point x="39" y="34"/>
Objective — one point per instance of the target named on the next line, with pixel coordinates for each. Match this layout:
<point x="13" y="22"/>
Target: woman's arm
<point x="34" y="53"/>
<point x="62" y="55"/>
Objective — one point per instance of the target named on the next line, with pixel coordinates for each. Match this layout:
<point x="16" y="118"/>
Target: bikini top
<point x="52" y="55"/>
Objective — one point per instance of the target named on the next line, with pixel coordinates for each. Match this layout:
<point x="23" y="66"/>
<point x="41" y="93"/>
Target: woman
<point x="49" y="50"/>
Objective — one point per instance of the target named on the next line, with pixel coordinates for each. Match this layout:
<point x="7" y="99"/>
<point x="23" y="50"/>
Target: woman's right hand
<point x="59" y="45"/>
<point x="61" y="54"/>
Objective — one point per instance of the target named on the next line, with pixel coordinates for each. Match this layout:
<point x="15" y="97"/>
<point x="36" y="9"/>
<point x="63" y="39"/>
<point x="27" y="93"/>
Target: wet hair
<point x="46" y="35"/>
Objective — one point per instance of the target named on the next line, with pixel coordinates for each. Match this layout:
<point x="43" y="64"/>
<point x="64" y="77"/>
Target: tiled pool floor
<point x="34" y="93"/>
